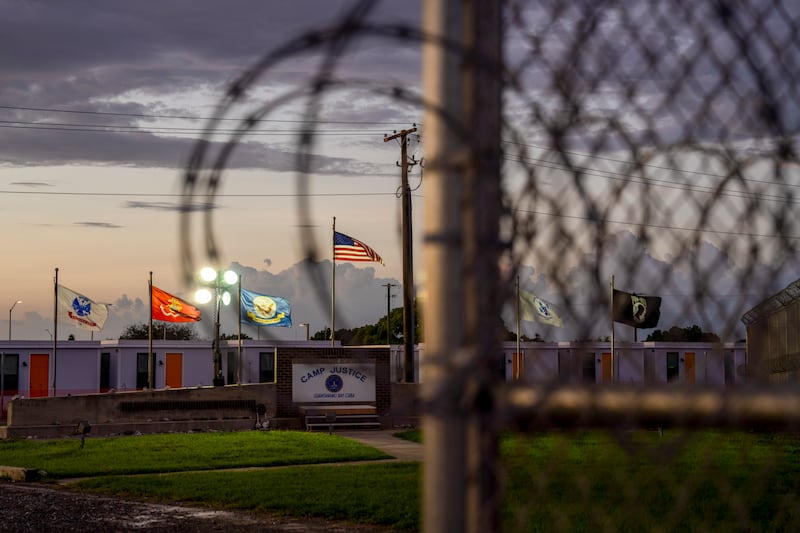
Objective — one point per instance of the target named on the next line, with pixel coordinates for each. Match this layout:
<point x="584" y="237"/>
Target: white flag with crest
<point x="80" y="311"/>
<point x="534" y="308"/>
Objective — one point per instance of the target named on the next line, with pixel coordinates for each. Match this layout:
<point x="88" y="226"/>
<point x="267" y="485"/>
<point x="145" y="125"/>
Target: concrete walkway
<point x="384" y="440"/>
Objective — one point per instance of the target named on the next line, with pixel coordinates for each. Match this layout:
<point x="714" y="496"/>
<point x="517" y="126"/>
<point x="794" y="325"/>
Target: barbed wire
<point x="677" y="120"/>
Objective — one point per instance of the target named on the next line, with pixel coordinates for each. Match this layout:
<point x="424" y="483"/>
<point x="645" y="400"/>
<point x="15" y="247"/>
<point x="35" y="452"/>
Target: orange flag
<point x="169" y="308"/>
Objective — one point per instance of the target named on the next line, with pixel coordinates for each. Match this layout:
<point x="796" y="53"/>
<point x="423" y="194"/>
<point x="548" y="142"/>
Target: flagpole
<point x="150" y="377"/>
<point x="518" y="315"/>
<point x="55" y="330"/>
<point x="239" y="355"/>
<point x="611" y="307"/>
<point x="333" y="281"/>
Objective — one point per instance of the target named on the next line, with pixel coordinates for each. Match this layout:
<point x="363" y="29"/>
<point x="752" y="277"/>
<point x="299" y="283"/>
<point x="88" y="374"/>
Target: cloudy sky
<point x="104" y="103"/>
<point x="101" y="104"/>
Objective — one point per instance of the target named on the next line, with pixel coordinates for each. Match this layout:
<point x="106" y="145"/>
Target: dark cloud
<point x="31" y="184"/>
<point x="104" y="225"/>
<point x="112" y="56"/>
<point x="665" y="76"/>
<point x="168" y="206"/>
<point x="47" y="147"/>
<point x="175" y="42"/>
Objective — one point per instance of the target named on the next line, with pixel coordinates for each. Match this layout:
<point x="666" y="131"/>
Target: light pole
<point x="9" y="317"/>
<point x="305" y="325"/>
<point x="219" y="282"/>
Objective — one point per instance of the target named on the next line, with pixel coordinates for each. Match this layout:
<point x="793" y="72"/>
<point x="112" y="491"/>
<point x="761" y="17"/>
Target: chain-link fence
<point x="575" y="148"/>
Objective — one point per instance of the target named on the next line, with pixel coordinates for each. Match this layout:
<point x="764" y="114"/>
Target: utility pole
<point x="408" y="257"/>
<point x="388" y="310"/>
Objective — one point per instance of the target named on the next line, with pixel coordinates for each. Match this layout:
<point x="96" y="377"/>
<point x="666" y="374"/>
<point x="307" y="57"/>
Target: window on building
<point x="589" y="372"/>
<point x="141" y="369"/>
<point x="232" y="367"/>
<point x="564" y="366"/>
<point x="730" y="368"/>
<point x="673" y="368"/>
<point x="266" y="367"/>
<point x="11" y="373"/>
<point x="105" y="372"/>
<point x="650" y="368"/>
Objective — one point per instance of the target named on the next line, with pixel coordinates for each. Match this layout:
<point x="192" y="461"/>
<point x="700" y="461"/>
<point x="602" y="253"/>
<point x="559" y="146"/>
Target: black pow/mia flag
<point x="637" y="311"/>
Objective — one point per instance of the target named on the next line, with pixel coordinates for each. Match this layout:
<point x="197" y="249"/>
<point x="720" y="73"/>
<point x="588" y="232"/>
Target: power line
<point x="179" y="131"/>
<point x="619" y="176"/>
<point x="189" y="117"/>
<point x="97" y="128"/>
<point x="180" y="195"/>
<point x="296" y="195"/>
<point x="606" y="174"/>
<point x="640" y="164"/>
<point x="319" y="121"/>
<point x="177" y="128"/>
<point x="657" y="226"/>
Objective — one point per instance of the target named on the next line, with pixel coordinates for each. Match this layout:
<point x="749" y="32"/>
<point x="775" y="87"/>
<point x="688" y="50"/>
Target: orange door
<point x="608" y="372"/>
<point x="688" y="367"/>
<point x="40" y="374"/>
<point x="174" y="372"/>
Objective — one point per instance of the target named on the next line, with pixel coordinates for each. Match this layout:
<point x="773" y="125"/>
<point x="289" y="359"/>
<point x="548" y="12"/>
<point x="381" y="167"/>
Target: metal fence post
<point x="462" y="85"/>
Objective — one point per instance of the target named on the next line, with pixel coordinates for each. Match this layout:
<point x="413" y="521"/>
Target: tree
<point x="688" y="334"/>
<point x="509" y="335"/>
<point x="374" y="333"/>
<point x="233" y="336"/>
<point x="161" y="330"/>
<point x="321" y="335"/>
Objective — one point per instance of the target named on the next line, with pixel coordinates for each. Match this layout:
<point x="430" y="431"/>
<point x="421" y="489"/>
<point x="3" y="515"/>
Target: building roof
<point x="768" y="307"/>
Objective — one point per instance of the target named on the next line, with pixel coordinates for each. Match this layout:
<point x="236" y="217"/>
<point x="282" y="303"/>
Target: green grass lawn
<point x="62" y="458"/>
<point x="567" y="481"/>
<point x="384" y="493"/>
<point x="642" y="481"/>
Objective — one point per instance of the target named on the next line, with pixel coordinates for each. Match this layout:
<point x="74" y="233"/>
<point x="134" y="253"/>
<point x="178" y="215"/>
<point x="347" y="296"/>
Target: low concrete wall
<point x="230" y="408"/>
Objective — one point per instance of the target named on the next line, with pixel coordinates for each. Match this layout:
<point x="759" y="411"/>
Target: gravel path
<point x="29" y="508"/>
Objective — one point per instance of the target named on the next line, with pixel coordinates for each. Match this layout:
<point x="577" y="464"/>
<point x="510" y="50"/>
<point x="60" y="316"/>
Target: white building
<point x="33" y="369"/>
<point x="698" y="363"/>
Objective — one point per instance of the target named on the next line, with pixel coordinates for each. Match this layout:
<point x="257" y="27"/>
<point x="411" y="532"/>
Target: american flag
<point x="346" y="248"/>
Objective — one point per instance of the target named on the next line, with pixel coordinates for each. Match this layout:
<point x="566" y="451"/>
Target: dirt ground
<point x="26" y="507"/>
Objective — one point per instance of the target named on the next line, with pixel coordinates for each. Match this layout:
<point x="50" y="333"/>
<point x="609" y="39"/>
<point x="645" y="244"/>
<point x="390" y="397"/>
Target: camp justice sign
<point x="340" y="382"/>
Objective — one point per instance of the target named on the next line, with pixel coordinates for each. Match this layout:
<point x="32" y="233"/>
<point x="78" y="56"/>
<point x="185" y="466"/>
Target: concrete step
<point x="332" y="421"/>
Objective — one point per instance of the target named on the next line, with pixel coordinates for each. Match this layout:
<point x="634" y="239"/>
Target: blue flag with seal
<point x="263" y="310"/>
